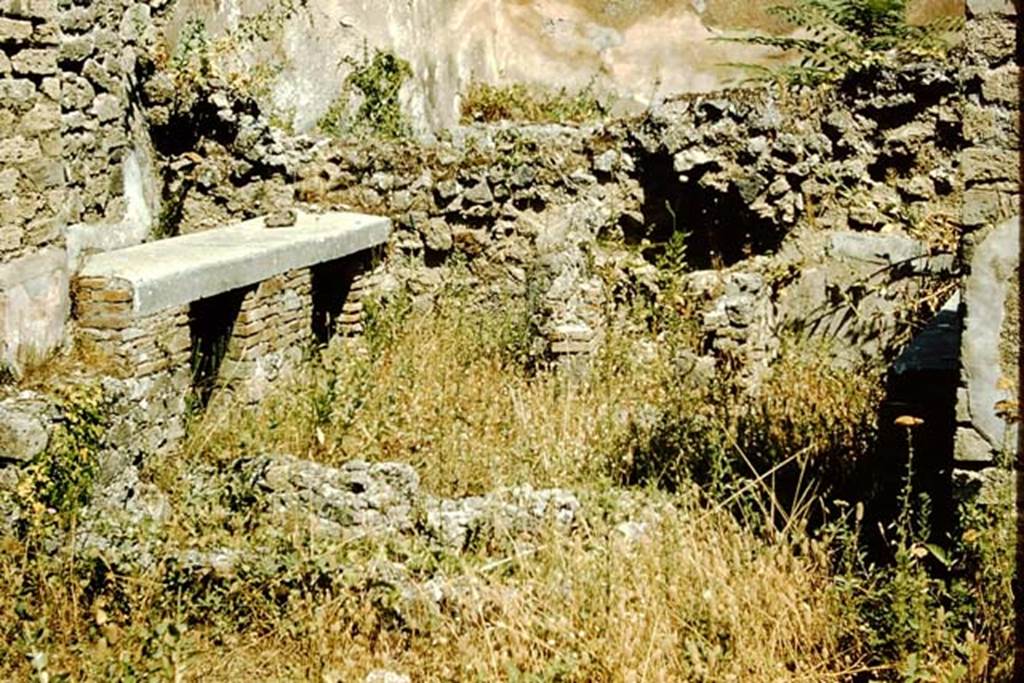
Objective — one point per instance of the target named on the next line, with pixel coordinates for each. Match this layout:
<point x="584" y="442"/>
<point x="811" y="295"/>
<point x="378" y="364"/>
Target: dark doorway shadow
<point x="211" y="323"/>
<point x="332" y="284"/>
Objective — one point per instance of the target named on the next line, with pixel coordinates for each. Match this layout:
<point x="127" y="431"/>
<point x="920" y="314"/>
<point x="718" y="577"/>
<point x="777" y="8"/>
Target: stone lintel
<point x="179" y="270"/>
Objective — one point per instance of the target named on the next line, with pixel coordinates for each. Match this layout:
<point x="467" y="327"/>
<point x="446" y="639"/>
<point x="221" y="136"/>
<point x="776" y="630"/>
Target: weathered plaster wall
<point x="991" y="173"/>
<point x="637" y="54"/>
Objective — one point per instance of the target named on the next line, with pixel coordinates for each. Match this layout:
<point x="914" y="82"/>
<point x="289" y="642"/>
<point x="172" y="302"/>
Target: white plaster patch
<point x="34" y="305"/>
<point x="133" y="229"/>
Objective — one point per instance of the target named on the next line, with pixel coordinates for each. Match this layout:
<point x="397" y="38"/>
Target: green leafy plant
<point x="836" y="38"/>
<point x="60" y="480"/>
<point x="376" y="80"/>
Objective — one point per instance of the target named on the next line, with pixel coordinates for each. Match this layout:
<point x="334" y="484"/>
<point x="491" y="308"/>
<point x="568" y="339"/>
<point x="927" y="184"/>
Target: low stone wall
<point x="244" y="338"/>
<point x="136" y="347"/>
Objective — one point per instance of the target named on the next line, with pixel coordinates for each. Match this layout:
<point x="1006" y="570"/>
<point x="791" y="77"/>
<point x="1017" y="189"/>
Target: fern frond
<point x="846" y="36"/>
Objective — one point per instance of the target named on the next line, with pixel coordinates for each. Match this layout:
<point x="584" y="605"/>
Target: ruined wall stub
<point x="991" y="172"/>
<point x="73" y="159"/>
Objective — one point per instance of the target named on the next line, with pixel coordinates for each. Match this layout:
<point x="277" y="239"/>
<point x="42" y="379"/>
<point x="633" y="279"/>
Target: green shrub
<point x="836" y="38"/>
<point x="199" y="58"/>
<point x="376" y="81"/>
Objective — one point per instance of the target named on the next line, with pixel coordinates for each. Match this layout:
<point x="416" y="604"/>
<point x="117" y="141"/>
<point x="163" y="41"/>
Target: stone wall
<point x="76" y="173"/>
<point x="33" y="278"/>
<point x="742" y="184"/>
<point x="991" y="173"/>
<point x="97" y="63"/>
<point x="30" y="150"/>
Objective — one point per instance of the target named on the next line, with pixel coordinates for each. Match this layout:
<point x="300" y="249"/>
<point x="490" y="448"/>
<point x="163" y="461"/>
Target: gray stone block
<point x="993" y="269"/>
<point x="35" y="62"/>
<point x="970" y="447"/>
<point x="30" y="9"/>
<point x="876" y="248"/>
<point x="991" y="166"/>
<point x="977" y="8"/>
<point x="14" y="30"/>
<point x="24" y="429"/>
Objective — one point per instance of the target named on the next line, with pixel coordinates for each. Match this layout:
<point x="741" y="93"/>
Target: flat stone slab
<point x="179" y="270"/>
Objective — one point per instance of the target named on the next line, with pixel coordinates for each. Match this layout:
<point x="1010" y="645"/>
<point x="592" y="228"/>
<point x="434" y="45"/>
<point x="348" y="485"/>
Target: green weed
<point x="837" y="38"/>
<point x="375" y="82"/>
<point x="484" y="103"/>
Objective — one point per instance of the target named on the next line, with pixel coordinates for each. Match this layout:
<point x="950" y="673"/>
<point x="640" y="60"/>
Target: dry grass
<point x="699" y="599"/>
<point x="700" y="596"/>
<point x="444" y="395"/>
<point x="533" y="104"/>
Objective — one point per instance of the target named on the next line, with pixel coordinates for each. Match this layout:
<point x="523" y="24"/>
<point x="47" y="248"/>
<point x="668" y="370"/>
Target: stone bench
<point x="232" y="305"/>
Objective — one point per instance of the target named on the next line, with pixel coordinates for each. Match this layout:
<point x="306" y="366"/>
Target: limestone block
<point x="882" y="249"/>
<point x="77" y="93"/>
<point x="988" y="486"/>
<point x="105" y="74"/>
<point x="78" y="19"/>
<point x="35" y="62"/>
<point x="43" y="117"/>
<point x="10" y="234"/>
<point x="991" y="126"/>
<point x="34" y="304"/>
<point x="18" y="150"/>
<point x="992" y="39"/>
<point x="15" y="30"/>
<point x="1002" y="85"/>
<point x="8" y="182"/>
<point x="29" y="9"/>
<point x="5" y="64"/>
<point x="25" y="426"/>
<point x="48" y="34"/>
<point x="977" y="8"/>
<point x="44" y="174"/>
<point x="76" y="49"/>
<point x="42" y="231"/>
<point x="51" y="88"/>
<point x="107" y="107"/>
<point x="991" y="166"/>
<point x="984" y="207"/>
<point x="17" y="94"/>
